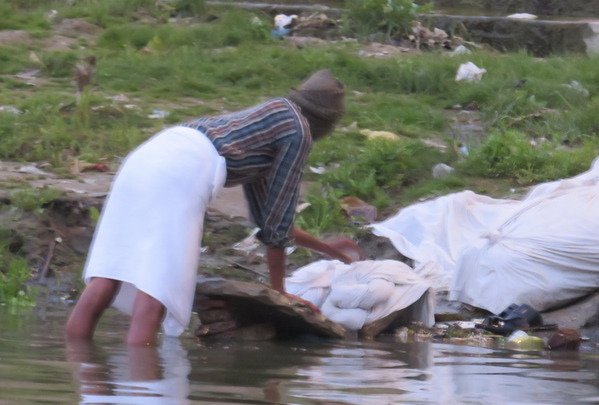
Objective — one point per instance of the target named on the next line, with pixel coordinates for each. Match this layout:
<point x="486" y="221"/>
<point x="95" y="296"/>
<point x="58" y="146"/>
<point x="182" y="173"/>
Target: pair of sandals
<point x="515" y="317"/>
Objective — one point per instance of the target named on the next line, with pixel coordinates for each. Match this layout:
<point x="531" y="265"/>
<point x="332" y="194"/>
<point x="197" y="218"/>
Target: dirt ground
<point x="56" y="239"/>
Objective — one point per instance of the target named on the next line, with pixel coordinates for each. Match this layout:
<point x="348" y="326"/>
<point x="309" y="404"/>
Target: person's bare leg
<point x="146" y="318"/>
<point x="96" y="297"/>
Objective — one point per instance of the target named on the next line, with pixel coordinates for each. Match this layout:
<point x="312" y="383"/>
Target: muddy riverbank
<point x="56" y="237"/>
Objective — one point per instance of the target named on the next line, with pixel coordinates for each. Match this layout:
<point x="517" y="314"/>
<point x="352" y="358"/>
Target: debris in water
<point x="564" y="339"/>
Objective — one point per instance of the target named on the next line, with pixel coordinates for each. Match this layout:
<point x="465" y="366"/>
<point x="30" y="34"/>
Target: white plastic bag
<point x="469" y="72"/>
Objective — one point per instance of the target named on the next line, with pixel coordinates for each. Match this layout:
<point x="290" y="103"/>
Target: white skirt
<point x="150" y="228"/>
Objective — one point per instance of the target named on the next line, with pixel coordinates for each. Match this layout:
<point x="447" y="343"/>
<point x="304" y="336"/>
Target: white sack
<point x="362" y="292"/>
<point x="544" y="255"/>
<point x="436" y="232"/>
<point x="542" y="250"/>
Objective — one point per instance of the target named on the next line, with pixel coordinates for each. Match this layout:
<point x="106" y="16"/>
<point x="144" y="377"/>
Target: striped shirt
<point x="265" y="148"/>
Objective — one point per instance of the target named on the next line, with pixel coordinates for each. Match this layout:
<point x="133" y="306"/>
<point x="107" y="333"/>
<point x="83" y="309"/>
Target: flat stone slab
<point x="539" y="37"/>
<point x="231" y="308"/>
<point x="577" y="315"/>
<point x="275" y="8"/>
<point x="570" y="8"/>
<point x="390" y="322"/>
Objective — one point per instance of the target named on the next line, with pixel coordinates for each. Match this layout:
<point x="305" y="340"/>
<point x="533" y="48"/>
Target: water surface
<point x="37" y="366"/>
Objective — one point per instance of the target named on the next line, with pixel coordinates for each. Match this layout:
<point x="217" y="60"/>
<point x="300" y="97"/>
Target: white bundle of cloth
<point x="542" y="250"/>
<point x="357" y="294"/>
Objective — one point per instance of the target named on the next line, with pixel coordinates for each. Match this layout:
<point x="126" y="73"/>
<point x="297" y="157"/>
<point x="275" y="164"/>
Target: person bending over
<point x="145" y="252"/>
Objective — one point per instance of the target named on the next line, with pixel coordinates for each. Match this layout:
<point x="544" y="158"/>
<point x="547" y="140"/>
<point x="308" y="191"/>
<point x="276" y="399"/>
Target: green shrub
<point x="187" y="8"/>
<point x="511" y="154"/>
<point x="335" y="148"/>
<point x="392" y="17"/>
<point x="105" y="13"/>
<point x="31" y="199"/>
<point x="14" y="273"/>
<point x="22" y="16"/>
<point x="59" y="64"/>
<point x="13" y="59"/>
<point x="381" y="165"/>
<point x="324" y="213"/>
<point x="121" y="36"/>
<point x="507" y="154"/>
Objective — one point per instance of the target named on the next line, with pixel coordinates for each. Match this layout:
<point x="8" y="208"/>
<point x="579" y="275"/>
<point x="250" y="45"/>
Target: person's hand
<point x="304" y="302"/>
<point x="348" y="250"/>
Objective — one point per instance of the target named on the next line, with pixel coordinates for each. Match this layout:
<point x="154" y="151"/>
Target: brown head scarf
<point x="321" y="98"/>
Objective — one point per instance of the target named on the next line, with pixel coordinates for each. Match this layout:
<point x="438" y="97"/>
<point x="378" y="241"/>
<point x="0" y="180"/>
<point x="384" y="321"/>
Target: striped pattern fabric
<point x="265" y="148"/>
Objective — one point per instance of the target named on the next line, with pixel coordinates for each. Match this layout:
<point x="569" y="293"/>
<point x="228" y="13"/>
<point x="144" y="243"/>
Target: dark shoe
<point x="514" y="317"/>
<point x="502" y="326"/>
<point x="506" y="312"/>
<point x="527" y="313"/>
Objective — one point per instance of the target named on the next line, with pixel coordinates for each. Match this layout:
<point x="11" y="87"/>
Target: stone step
<point x="562" y="8"/>
<point x="284" y="7"/>
<point x="539" y="37"/>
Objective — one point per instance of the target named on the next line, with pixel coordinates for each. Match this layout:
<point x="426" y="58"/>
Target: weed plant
<point x="14" y="272"/>
<point x="33" y="199"/>
<point x="324" y="213"/>
<point x="374" y="170"/>
<point x="368" y="18"/>
<point x="510" y="154"/>
<point x="381" y="166"/>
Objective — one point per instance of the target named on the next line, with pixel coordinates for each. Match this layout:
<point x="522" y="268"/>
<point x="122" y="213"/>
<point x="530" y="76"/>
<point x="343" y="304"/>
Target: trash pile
<point x="425" y="38"/>
<point x="317" y="25"/>
<point x="311" y="28"/>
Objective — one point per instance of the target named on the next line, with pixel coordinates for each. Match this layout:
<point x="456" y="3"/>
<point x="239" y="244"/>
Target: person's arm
<point x="275" y="258"/>
<point x="343" y="249"/>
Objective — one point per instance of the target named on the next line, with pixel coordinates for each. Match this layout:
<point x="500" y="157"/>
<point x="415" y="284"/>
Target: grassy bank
<point x="161" y="63"/>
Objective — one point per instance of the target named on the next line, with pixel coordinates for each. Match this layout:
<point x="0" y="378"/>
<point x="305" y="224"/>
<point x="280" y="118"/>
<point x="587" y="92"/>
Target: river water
<point x="37" y="366"/>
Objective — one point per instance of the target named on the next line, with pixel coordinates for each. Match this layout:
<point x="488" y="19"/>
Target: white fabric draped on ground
<point x="357" y="294"/>
<point x="542" y="250"/>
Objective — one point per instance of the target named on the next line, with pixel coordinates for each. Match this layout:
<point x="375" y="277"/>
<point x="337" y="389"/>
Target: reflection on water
<point x="132" y="375"/>
<point x="38" y="366"/>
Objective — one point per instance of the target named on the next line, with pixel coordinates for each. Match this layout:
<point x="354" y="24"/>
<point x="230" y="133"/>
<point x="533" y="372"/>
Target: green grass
<point x="324" y="213"/>
<point x="199" y="65"/>
<point x="510" y="154"/>
<point x="14" y="17"/>
<point x="14" y="272"/>
<point x="32" y="199"/>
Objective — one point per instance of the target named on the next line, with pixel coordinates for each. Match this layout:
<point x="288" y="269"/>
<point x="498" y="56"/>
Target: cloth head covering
<point x="321" y="98"/>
